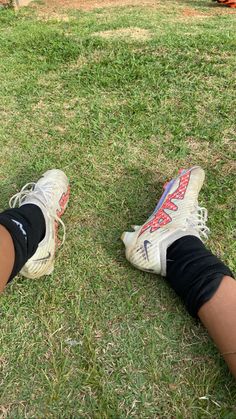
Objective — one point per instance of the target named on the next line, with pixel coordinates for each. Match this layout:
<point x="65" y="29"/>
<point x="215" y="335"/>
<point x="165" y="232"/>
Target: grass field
<point x="118" y="98"/>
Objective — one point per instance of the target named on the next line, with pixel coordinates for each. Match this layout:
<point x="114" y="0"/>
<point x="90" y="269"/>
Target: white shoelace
<point x="18" y="199"/>
<point x="198" y="220"/>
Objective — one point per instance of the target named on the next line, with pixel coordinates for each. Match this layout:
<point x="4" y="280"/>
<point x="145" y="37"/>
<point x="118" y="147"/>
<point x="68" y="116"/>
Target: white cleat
<point x="51" y="195"/>
<point x="128" y="238"/>
<point x="177" y="214"/>
<point x="134" y="227"/>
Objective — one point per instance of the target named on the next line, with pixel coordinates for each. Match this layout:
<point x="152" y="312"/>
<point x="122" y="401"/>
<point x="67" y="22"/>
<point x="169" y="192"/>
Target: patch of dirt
<point x="136" y="34"/>
<point x="94" y="4"/>
<point x="194" y="13"/>
<point x="54" y="9"/>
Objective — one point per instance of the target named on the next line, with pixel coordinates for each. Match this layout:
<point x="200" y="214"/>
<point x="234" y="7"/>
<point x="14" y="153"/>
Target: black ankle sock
<point x="26" y="226"/>
<point x="194" y="272"/>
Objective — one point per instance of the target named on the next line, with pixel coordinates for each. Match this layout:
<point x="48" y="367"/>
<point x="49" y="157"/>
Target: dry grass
<point x="94" y="4"/>
<point x="135" y="34"/>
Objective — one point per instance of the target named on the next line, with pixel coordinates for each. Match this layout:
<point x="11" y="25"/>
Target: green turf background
<point x="119" y="116"/>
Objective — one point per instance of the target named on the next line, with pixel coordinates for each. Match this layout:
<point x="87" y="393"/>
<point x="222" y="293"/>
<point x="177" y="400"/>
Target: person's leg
<point x="219" y="317"/>
<point x="169" y="244"/>
<point x="28" y="234"/>
<point x="7" y="256"/>
<point x="26" y="227"/>
<point x="207" y="290"/>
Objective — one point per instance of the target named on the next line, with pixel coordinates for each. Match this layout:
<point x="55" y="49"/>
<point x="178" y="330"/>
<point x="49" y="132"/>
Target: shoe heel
<point x="135" y="228"/>
<point x="50" y="270"/>
<point x="128" y="238"/>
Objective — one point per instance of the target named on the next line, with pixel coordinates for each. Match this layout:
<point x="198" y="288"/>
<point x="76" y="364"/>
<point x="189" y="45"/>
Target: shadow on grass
<point x="14" y="182"/>
<point x="132" y="200"/>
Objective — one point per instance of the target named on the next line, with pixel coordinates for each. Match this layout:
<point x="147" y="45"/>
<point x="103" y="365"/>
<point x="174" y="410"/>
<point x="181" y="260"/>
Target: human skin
<point x="219" y="317"/>
<point x="7" y="256"/>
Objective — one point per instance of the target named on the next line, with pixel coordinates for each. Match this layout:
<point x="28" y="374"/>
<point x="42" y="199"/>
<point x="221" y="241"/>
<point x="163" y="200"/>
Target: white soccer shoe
<point x="51" y="195"/>
<point x="177" y="214"/>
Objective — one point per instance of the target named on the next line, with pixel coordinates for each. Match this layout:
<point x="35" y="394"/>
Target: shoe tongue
<point x="35" y="200"/>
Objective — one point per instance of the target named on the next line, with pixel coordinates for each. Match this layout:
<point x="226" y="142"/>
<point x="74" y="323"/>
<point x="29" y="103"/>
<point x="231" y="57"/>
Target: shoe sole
<point x="64" y="202"/>
<point x="63" y="205"/>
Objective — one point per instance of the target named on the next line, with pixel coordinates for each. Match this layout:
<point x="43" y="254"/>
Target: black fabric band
<point x="194" y="272"/>
<point x="26" y="226"/>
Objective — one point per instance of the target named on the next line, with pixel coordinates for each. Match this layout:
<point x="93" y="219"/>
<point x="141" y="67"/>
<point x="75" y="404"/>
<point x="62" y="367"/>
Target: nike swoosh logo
<point x="45" y="258"/>
<point x="145" y="245"/>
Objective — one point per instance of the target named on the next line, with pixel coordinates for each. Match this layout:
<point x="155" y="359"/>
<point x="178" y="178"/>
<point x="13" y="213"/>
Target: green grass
<point x="119" y="116"/>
